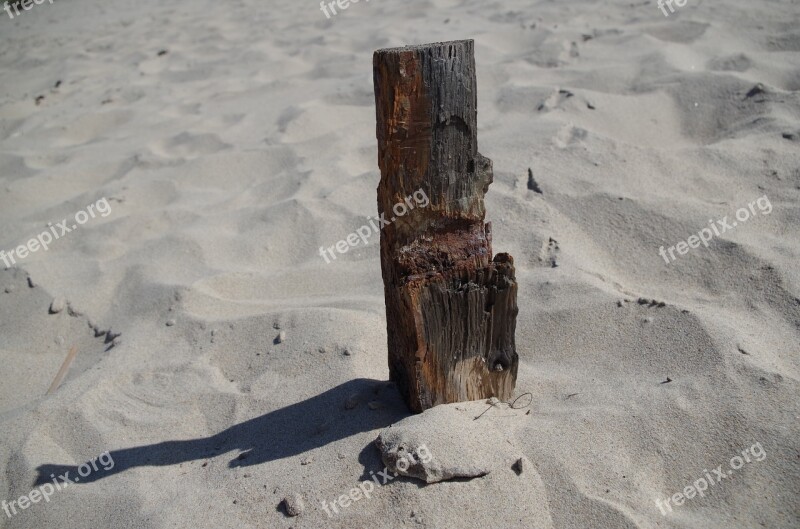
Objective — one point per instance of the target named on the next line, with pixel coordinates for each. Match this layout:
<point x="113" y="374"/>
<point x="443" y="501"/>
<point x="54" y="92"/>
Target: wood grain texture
<point x="450" y="308"/>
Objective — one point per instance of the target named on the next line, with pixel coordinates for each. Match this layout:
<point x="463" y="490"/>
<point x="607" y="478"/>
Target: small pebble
<point x="281" y="336"/>
<point x="519" y="466"/>
<point x="58" y="305"/>
<point x="9" y="289"/>
<point x="375" y="405"/>
<point x="170" y="323"/>
<point x="293" y="504"/>
<point x="60" y="340"/>
<point x="306" y="461"/>
<point x="493" y="401"/>
<point x="346" y="352"/>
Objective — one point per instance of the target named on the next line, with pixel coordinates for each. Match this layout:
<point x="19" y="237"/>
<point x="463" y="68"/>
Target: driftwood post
<point x="450" y="309"/>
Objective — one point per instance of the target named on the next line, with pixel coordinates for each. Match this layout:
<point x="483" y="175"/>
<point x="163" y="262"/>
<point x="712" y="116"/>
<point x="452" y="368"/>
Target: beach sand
<point x="231" y="140"/>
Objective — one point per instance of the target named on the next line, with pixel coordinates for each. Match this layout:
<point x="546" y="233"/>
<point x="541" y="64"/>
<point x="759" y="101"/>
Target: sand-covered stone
<point x="293" y="504"/>
<point x="58" y="305"/>
<point x="457" y="444"/>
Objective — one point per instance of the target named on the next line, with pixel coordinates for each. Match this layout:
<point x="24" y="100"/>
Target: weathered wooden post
<point x="450" y="309"/>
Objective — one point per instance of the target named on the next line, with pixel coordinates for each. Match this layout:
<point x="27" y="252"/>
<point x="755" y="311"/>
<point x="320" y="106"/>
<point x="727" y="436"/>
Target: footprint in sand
<point x="549" y="253"/>
<point x="730" y="63"/>
<point x="187" y="146"/>
<point x="684" y="32"/>
<point x="570" y="135"/>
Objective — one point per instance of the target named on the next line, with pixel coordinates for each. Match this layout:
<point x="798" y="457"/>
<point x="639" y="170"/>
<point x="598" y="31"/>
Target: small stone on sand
<point x="293" y="504"/>
<point x="519" y="466"/>
<point x="447" y="444"/>
<point x="58" y="305"/>
<point x="170" y="323"/>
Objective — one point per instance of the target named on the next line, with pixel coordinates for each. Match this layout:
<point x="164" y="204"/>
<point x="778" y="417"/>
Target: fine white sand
<point x="230" y="157"/>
